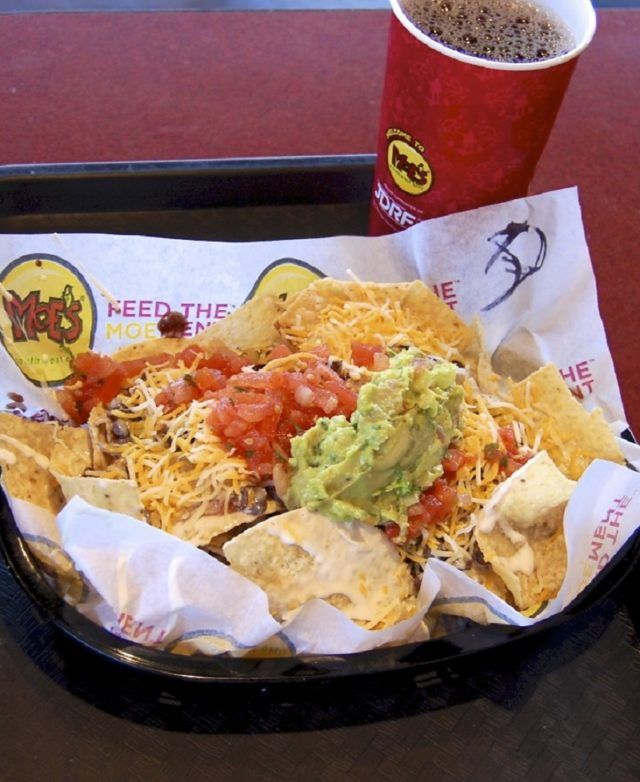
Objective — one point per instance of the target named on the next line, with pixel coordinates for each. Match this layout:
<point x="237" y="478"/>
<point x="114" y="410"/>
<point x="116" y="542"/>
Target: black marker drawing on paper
<point x="512" y="263"/>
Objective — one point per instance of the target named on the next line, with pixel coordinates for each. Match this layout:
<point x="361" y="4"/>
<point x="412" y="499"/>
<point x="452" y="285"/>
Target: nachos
<point x="325" y="447"/>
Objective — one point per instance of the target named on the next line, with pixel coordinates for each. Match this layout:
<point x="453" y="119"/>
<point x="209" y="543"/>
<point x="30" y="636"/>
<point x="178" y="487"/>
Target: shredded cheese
<point x="182" y="469"/>
<point x="184" y="472"/>
<point x="368" y="321"/>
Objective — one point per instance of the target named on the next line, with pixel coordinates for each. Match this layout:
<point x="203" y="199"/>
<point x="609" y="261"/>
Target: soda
<point x="500" y="30"/>
<point x="472" y="89"/>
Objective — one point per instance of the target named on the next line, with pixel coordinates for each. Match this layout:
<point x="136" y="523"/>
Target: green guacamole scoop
<point x="373" y="467"/>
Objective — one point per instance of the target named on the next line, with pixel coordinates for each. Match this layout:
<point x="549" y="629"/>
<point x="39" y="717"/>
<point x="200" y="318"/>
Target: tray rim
<point x="185" y="166"/>
<point x="414" y="658"/>
<point x="261" y="671"/>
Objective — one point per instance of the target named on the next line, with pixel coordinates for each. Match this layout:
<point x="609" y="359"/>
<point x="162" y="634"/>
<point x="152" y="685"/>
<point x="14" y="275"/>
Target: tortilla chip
<point x="62" y="450"/>
<point x="202" y="530"/>
<point x="520" y="531"/>
<point x="250" y="329"/>
<point x="489" y="579"/>
<point x="489" y="382"/>
<point x="428" y="311"/>
<point x="118" y="496"/>
<point x="308" y="310"/>
<point x="299" y="556"/>
<point x="25" y="448"/>
<point x="572" y="436"/>
<point x="151" y="347"/>
<point x="72" y="452"/>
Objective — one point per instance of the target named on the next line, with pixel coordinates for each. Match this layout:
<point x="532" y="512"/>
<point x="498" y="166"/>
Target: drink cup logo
<point x="407" y="164"/>
<point x="48" y="316"/>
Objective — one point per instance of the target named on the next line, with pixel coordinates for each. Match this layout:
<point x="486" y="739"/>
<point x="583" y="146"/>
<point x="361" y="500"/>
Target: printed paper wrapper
<point x="523" y="267"/>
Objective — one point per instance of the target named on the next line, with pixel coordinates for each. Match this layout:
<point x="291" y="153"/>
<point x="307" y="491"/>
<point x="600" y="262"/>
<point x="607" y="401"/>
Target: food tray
<point x="243" y="200"/>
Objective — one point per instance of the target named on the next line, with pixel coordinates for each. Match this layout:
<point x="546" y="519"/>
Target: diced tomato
<point x="236" y="430"/>
<point x="226" y="361"/>
<point x="321" y="351"/>
<point x="453" y="461"/>
<point x="133" y="367"/>
<point x="98" y="378"/>
<point x="493" y="453"/>
<point x="93" y="365"/>
<point x="75" y="406"/>
<point x="109" y="386"/>
<point x="280" y="351"/>
<point x="435" y="504"/>
<point x="508" y="437"/>
<point x="417" y="523"/>
<point x="208" y="379"/>
<point x="188" y="356"/>
<point x="363" y="353"/>
<point x="445" y="494"/>
<point x="180" y="392"/>
<point x="509" y="458"/>
<point x="257" y="413"/>
<point x="392" y="530"/>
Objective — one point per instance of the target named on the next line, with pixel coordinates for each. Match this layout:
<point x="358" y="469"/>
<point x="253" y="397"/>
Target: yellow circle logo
<point x="48" y="316"/>
<point x="408" y="167"/>
<point x="285" y="277"/>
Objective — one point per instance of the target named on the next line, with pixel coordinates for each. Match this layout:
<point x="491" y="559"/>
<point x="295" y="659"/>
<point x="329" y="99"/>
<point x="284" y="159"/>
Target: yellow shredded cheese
<point x="182" y="469"/>
<point x="371" y="322"/>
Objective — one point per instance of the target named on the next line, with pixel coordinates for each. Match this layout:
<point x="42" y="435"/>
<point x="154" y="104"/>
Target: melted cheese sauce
<point x="349" y="559"/>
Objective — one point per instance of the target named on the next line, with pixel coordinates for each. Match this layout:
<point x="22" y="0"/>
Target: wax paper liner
<point x="146" y="585"/>
<point x="523" y="267"/>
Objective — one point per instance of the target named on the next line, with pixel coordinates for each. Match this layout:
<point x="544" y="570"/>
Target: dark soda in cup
<point x="472" y="88"/>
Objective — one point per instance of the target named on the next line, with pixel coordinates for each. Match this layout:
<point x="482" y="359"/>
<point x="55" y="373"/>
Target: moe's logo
<point x="58" y="318"/>
<point x="48" y="316"/>
<point x="407" y="164"/>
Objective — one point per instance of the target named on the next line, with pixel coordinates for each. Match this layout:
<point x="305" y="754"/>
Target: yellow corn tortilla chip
<point x="30" y="452"/>
<point x="488" y="578"/>
<point x="151" y="347"/>
<point x="118" y="496"/>
<point x="250" y="329"/>
<point x="305" y="316"/>
<point x="202" y="530"/>
<point x="300" y="555"/>
<point x="25" y="448"/>
<point x="572" y="436"/>
<point x="72" y="452"/>
<point x="520" y="531"/>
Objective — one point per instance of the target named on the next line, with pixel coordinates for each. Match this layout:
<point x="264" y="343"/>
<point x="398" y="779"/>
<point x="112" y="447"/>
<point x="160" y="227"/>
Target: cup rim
<point x="496" y="65"/>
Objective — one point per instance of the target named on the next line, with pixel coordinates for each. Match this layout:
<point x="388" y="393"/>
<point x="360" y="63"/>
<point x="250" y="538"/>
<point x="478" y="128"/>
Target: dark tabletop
<point x="562" y="707"/>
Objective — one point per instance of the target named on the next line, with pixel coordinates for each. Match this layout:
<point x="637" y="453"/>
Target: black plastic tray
<point x="242" y="200"/>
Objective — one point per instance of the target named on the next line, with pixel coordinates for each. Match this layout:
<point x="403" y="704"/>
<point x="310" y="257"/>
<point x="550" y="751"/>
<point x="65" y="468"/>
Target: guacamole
<point x="373" y="467"/>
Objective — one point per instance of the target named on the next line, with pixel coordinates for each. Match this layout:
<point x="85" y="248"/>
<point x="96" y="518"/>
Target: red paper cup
<point x="458" y="132"/>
